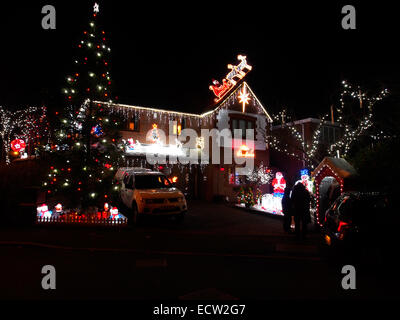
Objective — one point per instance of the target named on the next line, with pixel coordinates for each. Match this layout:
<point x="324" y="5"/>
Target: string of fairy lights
<point x="93" y="55"/>
<point x="261" y="175"/>
<point x="307" y="152"/>
<point x="27" y="123"/>
<point x="349" y="136"/>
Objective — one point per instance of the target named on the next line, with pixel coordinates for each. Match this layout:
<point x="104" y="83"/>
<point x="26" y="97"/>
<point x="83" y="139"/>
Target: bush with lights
<point x="249" y="198"/>
<point x="240" y="196"/>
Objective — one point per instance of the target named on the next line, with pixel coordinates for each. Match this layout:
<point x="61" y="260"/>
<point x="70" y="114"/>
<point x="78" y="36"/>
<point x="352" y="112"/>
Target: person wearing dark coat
<point x="287" y="210"/>
<point x="301" y="209"/>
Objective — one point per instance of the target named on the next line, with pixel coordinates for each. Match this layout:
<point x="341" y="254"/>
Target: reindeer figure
<point x="243" y="64"/>
<point x="234" y="73"/>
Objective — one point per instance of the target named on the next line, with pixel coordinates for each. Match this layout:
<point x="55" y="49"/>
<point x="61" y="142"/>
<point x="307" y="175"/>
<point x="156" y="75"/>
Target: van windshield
<point x="147" y="181"/>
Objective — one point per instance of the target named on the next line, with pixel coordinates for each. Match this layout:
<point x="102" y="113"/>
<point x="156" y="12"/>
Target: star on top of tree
<point x="96" y="7"/>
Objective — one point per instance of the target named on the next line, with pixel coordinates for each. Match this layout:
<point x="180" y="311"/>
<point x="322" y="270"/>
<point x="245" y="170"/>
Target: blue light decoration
<point x="304" y="172"/>
<point x="305" y="180"/>
<point x="97" y="131"/>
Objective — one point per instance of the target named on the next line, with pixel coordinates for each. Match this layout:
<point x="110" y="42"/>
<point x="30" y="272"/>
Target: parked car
<point x="149" y="193"/>
<point x="357" y="219"/>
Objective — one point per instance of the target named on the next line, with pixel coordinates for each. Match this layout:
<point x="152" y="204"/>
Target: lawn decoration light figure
<point x="18" y="145"/>
<point x="279" y="185"/>
<point x="305" y="180"/>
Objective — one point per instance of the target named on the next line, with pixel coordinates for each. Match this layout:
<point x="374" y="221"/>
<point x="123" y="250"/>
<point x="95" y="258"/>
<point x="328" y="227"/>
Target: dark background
<point x="165" y="55"/>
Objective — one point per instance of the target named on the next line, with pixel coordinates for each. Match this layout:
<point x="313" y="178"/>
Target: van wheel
<point x="180" y="217"/>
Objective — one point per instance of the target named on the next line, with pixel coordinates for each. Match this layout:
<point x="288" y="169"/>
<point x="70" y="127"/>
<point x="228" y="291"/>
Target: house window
<point x="178" y="126"/>
<point x="329" y="134"/>
<point x="177" y="129"/>
<point x="133" y="124"/>
<point x="242" y="124"/>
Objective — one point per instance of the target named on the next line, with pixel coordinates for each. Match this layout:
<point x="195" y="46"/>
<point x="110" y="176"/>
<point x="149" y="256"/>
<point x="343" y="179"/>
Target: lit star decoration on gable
<point x="244" y="98"/>
<point x="96" y="7"/>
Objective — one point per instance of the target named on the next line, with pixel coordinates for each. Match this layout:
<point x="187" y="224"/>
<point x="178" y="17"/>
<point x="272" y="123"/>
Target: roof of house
<point x="202" y="115"/>
<point x="306" y="120"/>
<point x="338" y="165"/>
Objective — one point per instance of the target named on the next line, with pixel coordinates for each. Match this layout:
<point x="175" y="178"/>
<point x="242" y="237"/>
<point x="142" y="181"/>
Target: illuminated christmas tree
<point x="249" y="198"/>
<point x="85" y="152"/>
<point x="240" y="196"/>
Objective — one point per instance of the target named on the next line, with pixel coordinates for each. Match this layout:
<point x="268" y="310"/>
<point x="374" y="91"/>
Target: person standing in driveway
<point x="287" y="210"/>
<point x="301" y="209"/>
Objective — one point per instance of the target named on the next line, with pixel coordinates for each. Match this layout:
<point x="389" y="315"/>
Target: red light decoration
<point x="245" y="152"/>
<point x="220" y="89"/>
<point x="324" y="171"/>
<point x="18" y="145"/>
<point x="58" y="207"/>
<point x="341" y="225"/>
<point x="237" y="72"/>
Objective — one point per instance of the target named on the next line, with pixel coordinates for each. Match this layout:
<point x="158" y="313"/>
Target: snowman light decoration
<point x="43" y="211"/>
<point x="305" y="180"/>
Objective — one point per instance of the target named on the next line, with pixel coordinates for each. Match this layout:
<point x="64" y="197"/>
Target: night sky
<point x="166" y="55"/>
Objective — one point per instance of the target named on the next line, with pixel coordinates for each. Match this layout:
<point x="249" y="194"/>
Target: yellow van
<point x="147" y="192"/>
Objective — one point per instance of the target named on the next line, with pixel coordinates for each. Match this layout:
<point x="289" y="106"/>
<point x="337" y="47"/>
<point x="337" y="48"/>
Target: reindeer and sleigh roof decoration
<point x="237" y="73"/>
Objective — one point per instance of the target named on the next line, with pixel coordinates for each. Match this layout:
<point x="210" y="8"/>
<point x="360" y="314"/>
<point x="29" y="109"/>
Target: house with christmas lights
<point x="158" y="131"/>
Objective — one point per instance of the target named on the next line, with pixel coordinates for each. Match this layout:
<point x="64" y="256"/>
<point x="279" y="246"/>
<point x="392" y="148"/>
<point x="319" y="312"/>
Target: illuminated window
<point x="133" y="124"/>
<point x="178" y="126"/>
<point x="177" y="129"/>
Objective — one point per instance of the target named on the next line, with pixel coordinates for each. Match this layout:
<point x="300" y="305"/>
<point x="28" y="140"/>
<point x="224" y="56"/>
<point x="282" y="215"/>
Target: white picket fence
<point x="83" y="221"/>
